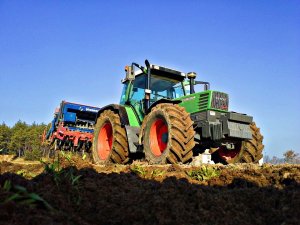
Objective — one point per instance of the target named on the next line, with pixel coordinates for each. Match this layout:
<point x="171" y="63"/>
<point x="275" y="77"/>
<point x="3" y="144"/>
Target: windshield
<point x="162" y="87"/>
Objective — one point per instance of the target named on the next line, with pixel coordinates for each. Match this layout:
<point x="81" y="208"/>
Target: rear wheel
<point x="249" y="151"/>
<point x="168" y="135"/>
<point x="110" y="140"/>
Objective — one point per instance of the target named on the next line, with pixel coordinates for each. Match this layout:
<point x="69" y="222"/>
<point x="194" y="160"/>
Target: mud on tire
<point x="168" y="135"/>
<point x="110" y="140"/>
<point x="252" y="149"/>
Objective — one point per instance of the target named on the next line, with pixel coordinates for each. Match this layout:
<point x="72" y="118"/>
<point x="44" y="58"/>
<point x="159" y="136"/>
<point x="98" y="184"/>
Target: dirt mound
<point x="144" y="194"/>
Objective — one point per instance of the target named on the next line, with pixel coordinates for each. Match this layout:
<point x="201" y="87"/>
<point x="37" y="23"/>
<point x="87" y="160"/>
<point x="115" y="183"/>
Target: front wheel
<point x="110" y="140"/>
<point x="168" y="135"/>
<point x="249" y="151"/>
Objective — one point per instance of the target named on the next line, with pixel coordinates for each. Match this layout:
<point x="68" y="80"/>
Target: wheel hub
<point x="228" y="154"/>
<point x="104" y="144"/>
<point x="158" y="137"/>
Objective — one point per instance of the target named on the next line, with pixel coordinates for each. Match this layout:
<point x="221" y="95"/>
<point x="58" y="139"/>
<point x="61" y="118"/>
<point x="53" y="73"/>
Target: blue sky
<point x="77" y="50"/>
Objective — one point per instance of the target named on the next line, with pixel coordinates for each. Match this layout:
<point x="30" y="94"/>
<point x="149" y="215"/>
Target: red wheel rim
<point x="158" y="137"/>
<point x="105" y="138"/>
<point x="228" y="155"/>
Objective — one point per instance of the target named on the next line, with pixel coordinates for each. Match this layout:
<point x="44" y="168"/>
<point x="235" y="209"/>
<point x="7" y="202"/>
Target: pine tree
<point x="19" y="139"/>
<point x="5" y="136"/>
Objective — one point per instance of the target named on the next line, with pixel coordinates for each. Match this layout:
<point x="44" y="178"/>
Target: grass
<point x="67" y="155"/>
<point x="142" y="171"/>
<point x="25" y="173"/>
<point x="20" y="195"/>
<point x="53" y="169"/>
<point x="61" y="175"/>
<point x="56" y="170"/>
<point x="157" y="173"/>
<point x="203" y="173"/>
<point x="138" y="170"/>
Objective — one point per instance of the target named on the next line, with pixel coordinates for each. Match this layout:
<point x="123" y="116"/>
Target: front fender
<point x="163" y="100"/>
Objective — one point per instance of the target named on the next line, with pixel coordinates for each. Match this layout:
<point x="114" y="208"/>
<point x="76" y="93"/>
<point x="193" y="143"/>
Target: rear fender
<point x="132" y="132"/>
<point x="117" y="109"/>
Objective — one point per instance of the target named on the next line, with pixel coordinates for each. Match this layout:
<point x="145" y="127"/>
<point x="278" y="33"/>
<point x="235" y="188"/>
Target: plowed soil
<point x="78" y="192"/>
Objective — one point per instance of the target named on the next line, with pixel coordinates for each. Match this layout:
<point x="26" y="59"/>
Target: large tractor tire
<point x="110" y="140"/>
<point x="168" y="135"/>
<point x="249" y="151"/>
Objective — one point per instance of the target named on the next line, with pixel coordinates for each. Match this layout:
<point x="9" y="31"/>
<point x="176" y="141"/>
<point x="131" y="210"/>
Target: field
<point x="69" y="190"/>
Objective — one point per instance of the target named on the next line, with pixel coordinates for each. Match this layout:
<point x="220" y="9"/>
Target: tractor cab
<point x="142" y="88"/>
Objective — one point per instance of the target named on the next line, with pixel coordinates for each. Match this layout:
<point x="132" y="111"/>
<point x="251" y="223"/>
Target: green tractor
<point x="161" y="117"/>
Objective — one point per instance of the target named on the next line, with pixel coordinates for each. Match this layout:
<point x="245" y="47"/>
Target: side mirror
<point x="129" y="72"/>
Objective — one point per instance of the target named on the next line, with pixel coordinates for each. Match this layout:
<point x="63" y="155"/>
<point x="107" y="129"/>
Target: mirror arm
<point x="138" y="66"/>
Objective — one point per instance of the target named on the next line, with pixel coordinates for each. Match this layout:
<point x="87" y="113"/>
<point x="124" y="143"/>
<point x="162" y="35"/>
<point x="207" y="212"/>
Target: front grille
<point x="219" y="101"/>
<point x="203" y="101"/>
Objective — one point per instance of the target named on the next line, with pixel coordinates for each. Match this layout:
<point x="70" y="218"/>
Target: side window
<point x="138" y="94"/>
<point x="138" y="90"/>
<point x="123" y="96"/>
<point x="178" y="89"/>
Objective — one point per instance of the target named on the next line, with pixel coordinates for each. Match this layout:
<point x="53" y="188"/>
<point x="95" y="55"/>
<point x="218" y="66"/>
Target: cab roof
<point x="159" y="71"/>
<point x="167" y="72"/>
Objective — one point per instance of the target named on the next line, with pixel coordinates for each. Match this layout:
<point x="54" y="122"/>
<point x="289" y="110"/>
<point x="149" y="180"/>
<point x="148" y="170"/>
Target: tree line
<point x="22" y="139"/>
<point x="290" y="156"/>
